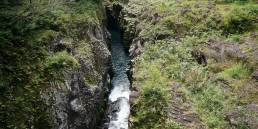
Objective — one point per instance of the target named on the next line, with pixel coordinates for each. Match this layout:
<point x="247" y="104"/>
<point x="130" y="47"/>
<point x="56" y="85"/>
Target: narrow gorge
<point x="118" y="101"/>
<point x="128" y="64"/>
<point x="119" y="96"/>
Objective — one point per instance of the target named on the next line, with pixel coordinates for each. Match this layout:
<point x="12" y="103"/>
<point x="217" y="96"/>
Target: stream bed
<point x="119" y="96"/>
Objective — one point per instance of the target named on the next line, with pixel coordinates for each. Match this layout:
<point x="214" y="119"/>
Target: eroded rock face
<point x="80" y="102"/>
<point x="221" y="50"/>
<point x="136" y="48"/>
<point x="244" y="116"/>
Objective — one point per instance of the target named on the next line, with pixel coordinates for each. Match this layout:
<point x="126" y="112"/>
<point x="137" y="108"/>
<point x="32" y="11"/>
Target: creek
<point x="119" y="96"/>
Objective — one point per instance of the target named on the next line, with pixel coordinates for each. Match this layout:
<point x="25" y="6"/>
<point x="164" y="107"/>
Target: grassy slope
<point x="213" y="90"/>
<point x="27" y="67"/>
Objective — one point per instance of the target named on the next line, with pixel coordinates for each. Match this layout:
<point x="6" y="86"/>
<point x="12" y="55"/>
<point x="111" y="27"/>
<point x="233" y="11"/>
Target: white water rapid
<point x="120" y="93"/>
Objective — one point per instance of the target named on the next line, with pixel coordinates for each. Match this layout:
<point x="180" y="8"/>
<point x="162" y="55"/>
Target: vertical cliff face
<point x="79" y="102"/>
<point x="56" y="64"/>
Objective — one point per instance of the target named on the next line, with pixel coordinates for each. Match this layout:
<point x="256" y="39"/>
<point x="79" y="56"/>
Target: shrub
<point x="151" y="108"/>
<point x="241" y="19"/>
<point x="192" y="18"/>
<point x="58" y="62"/>
<point x="237" y="71"/>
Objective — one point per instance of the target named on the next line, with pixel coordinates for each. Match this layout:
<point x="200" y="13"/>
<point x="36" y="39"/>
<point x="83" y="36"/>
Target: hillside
<point x="195" y="63"/>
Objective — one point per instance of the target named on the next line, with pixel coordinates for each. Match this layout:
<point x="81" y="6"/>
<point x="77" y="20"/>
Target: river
<point x="120" y="92"/>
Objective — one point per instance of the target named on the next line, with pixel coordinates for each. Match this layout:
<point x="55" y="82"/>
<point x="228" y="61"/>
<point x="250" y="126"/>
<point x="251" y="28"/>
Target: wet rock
<point x="113" y="109"/>
<point x="136" y="47"/>
<point x="118" y="113"/>
<point x="129" y="72"/>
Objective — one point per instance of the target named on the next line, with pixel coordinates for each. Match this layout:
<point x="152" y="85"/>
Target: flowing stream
<point x="120" y="92"/>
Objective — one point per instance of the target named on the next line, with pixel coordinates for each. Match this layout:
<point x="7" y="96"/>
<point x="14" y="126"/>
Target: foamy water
<point x="120" y="83"/>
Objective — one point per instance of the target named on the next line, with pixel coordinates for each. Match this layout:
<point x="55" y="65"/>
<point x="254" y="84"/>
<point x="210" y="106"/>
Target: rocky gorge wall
<point x="68" y="61"/>
<point x="80" y="102"/>
<point x="55" y="64"/>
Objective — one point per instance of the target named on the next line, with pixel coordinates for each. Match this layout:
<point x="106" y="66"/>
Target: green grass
<point x="241" y="18"/>
<point x="61" y="60"/>
<point x="237" y="71"/>
<point x="210" y="102"/>
<point x="167" y="62"/>
<point x="154" y="99"/>
<point x="193" y="23"/>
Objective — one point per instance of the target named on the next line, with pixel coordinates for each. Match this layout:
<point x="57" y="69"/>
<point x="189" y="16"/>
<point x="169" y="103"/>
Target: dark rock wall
<point x="79" y="104"/>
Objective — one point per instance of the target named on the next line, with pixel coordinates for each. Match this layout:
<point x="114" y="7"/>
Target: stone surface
<point x="221" y="50"/>
<point x="246" y="115"/>
<point x="255" y="75"/>
<point x="76" y="103"/>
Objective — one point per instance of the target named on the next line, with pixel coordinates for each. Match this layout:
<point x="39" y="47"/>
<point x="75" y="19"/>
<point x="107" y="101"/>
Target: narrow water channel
<point x="119" y="96"/>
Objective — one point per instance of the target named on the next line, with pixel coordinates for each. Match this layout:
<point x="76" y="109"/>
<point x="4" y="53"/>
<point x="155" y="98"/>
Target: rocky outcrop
<point x="180" y="110"/>
<point x="80" y="101"/>
<point x="244" y="116"/>
<point x="136" y="47"/>
<point x="221" y="50"/>
<point x="255" y="75"/>
<point x="199" y="57"/>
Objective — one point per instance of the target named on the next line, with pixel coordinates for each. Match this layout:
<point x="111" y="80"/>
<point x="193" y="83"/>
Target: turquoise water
<point x="121" y="85"/>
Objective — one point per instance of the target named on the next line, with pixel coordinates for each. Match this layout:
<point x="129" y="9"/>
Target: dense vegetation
<point x="203" y="49"/>
<point x="29" y="66"/>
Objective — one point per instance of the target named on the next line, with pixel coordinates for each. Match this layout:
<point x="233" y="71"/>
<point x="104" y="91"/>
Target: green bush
<point x="191" y="18"/>
<point x="241" y="19"/>
<point x="150" y="108"/>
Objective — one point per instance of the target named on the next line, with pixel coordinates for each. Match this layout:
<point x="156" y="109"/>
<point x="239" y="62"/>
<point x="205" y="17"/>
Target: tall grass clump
<point x="237" y="71"/>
